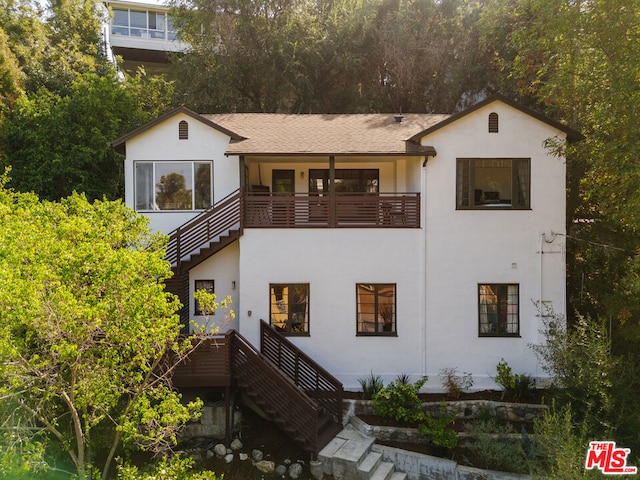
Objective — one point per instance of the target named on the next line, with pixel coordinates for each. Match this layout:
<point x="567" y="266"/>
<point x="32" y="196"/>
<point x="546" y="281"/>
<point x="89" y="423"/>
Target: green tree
<point x="60" y="144"/>
<point x="85" y="329"/>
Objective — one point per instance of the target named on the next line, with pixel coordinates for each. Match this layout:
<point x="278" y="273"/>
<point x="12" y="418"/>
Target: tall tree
<point x="85" y="325"/>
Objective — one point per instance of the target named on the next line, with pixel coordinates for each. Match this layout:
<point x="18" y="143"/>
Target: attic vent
<point x="493" y="122"/>
<point x="183" y="130"/>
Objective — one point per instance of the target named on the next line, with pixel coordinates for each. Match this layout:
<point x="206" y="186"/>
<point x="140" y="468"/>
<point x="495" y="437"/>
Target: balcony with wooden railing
<point x="342" y="210"/>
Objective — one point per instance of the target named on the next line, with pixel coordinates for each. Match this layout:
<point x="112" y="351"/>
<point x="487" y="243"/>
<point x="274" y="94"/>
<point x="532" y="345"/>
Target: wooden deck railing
<point x="381" y="210"/>
<point x="305" y="373"/>
<point x="204" y="228"/>
<point x="208" y="365"/>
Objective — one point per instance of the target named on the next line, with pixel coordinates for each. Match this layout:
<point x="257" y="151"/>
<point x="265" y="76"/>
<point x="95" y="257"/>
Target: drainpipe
<point x="423" y="263"/>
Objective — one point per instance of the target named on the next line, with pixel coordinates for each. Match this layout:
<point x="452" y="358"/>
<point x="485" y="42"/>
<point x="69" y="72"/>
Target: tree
<point x="85" y="330"/>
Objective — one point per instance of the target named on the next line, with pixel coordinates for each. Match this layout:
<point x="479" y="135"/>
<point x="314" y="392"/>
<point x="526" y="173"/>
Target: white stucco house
<point x="377" y="243"/>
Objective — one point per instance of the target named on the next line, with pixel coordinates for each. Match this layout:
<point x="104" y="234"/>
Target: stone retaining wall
<point x="467" y="409"/>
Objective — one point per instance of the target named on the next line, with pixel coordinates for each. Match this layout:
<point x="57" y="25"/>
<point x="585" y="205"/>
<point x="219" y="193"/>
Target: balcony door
<point x="283" y="200"/>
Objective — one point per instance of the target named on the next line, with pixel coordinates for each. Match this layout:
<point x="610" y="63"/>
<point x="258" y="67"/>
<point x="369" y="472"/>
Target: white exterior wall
<point x="468" y="247"/>
<point x="223" y="269"/>
<point x="332" y="262"/>
<point x="162" y="143"/>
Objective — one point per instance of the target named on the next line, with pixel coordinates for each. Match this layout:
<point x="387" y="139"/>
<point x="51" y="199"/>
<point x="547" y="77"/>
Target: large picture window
<point x="499" y="309"/>
<point x="376" y="309"/>
<point x="493" y="183"/>
<point x="173" y="185"/>
<point x="289" y="307"/>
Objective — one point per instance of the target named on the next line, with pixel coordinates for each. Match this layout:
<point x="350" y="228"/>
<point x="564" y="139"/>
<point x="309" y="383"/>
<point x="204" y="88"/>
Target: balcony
<point x="342" y="210"/>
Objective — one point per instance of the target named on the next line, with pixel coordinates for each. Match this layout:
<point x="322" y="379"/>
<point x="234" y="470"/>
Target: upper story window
<point x="289" y="307"/>
<point x="183" y="130"/>
<point x="376" y="308"/>
<point x="493" y="183"/>
<point x="493" y="122"/>
<point x="146" y="24"/>
<point x="173" y="185"/>
<point x="206" y="285"/>
<point x="499" y="309"/>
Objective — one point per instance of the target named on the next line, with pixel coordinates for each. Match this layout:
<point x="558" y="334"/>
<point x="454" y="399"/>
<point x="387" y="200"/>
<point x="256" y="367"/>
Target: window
<point x="183" y="130"/>
<point x="142" y="24"/>
<point x="376" y="309"/>
<point x="173" y="185"/>
<point x="493" y="122"/>
<point x="347" y="180"/>
<point x="499" y="310"/>
<point x="208" y="286"/>
<point x="489" y="183"/>
<point x="289" y="307"/>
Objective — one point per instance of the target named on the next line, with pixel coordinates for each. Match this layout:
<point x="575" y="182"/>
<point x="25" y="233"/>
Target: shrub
<point x="493" y="453"/>
<point x="518" y="386"/>
<point x="454" y="383"/>
<point x="173" y="469"/>
<point x="440" y="429"/>
<point x="400" y="402"/>
<point x="370" y="385"/>
<point x="559" y="446"/>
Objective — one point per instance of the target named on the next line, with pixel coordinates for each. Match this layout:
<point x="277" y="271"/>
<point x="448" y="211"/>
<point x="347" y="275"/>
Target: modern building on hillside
<point x="377" y="243"/>
<point x="141" y="32"/>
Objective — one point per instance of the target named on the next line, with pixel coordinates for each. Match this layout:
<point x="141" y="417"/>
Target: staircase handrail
<point x="302" y="370"/>
<point x="211" y="223"/>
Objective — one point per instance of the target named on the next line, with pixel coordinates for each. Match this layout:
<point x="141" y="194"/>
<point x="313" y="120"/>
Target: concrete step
<point x="368" y="465"/>
<point x="383" y="471"/>
<point x="398" y="476"/>
<point x="349" y="456"/>
<point x="326" y="454"/>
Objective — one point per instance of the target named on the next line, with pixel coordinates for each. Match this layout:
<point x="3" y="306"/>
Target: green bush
<point x="370" y="385"/>
<point x="399" y="402"/>
<point x="440" y="429"/>
<point x="490" y="452"/>
<point x="517" y="386"/>
<point x="173" y="469"/>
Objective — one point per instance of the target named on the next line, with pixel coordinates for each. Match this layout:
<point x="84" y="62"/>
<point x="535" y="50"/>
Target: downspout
<point x="423" y="252"/>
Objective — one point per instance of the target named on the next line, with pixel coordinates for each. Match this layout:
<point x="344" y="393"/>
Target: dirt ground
<point x="258" y="433"/>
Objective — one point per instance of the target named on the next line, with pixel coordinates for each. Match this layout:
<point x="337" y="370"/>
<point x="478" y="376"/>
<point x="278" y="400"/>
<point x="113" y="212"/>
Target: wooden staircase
<point x="198" y="239"/>
<point x="298" y="395"/>
<point x="303" y="419"/>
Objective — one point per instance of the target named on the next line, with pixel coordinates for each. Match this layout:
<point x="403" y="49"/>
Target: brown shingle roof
<point x="315" y="134"/>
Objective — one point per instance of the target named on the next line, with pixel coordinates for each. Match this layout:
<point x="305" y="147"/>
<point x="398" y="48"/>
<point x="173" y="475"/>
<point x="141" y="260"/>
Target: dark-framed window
<point x="166" y="185"/>
<point x="289" y="307"/>
<point x="208" y="286"/>
<point x="493" y="183"/>
<point x="499" y="310"/>
<point x="376" y="308"/>
<point x="357" y="180"/>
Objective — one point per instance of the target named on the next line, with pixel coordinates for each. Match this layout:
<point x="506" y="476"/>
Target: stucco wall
<point x="162" y="143"/>
<point x="333" y="261"/>
<point x="468" y="247"/>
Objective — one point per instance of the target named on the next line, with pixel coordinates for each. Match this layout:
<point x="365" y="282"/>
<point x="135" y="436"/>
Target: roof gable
<point x="572" y="135"/>
<point x="119" y="143"/>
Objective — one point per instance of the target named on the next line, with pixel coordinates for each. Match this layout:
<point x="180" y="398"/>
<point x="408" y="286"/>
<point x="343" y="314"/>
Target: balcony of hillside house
<point x="263" y="209"/>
